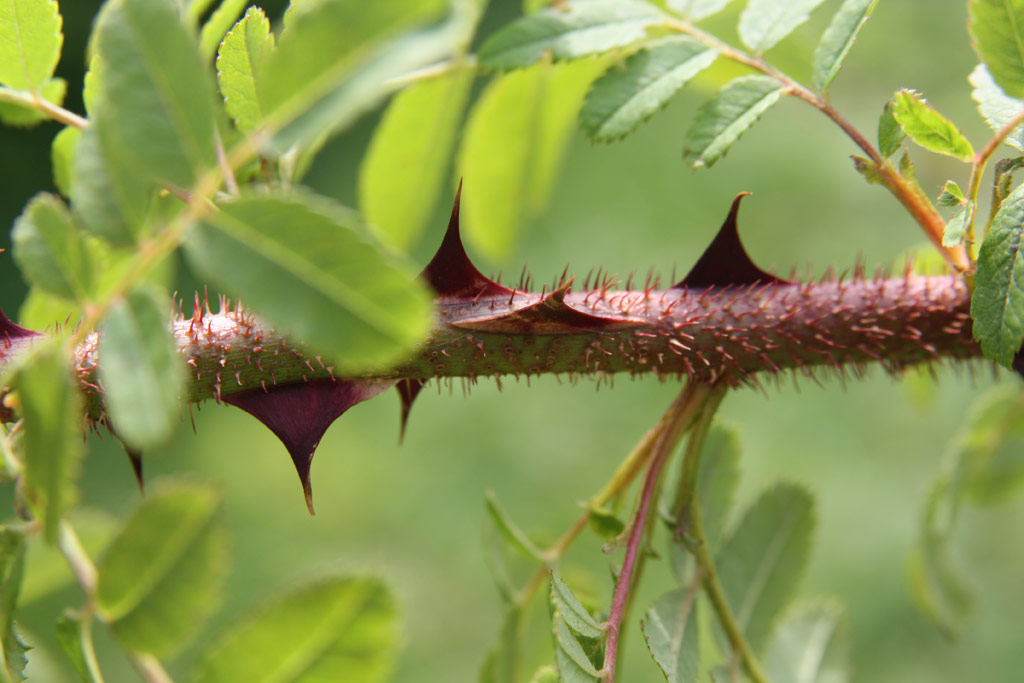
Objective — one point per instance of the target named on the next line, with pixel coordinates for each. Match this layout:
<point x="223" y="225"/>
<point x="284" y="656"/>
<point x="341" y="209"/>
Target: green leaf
<point x="1003" y="180"/>
<point x="951" y="194"/>
<point x="573" y="662"/>
<point x="929" y="128"/>
<point x="605" y="523"/>
<point x="762" y="561"/>
<point x="62" y="156"/>
<point x="218" y="24"/>
<point x="141" y="372"/>
<point x="626" y="96"/>
<point x="997" y="35"/>
<point x="163" y="573"/>
<point x="12" y="566"/>
<point x="838" y="39"/>
<point x="953" y="235"/>
<point x="671" y="636"/>
<point x="310" y="633"/>
<point x="991" y="453"/>
<point x="890" y="134"/>
<point x="577" y="28"/>
<point x="30" y="42"/>
<point x="46" y="568"/>
<point x="995" y="107"/>
<point x="695" y="10"/>
<point x="52" y="91"/>
<point x="301" y="262"/>
<point x="514" y="141"/>
<point x="997" y="305"/>
<point x="716" y="484"/>
<point x="71" y="637"/>
<point x="510" y="531"/>
<point x="764" y="23"/>
<point x="722" y="120"/>
<point x="48" y="248"/>
<point x="404" y="170"/>
<point x="809" y="645"/>
<point x="241" y="61"/>
<point x="906" y="167"/>
<point x="502" y="662"/>
<point x="868" y="169"/>
<point x="572" y="611"/>
<point x="545" y="674"/>
<point x="52" y="425"/>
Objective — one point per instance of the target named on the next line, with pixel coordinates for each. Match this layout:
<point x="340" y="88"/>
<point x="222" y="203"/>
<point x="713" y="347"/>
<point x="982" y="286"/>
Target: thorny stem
<point x="695" y="398"/>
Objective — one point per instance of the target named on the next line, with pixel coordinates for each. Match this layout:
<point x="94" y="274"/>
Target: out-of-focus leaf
<point x="572" y="612"/>
<point x="30" y="42"/>
<point x="336" y="628"/>
<point x="48" y="248"/>
<point x="890" y="134"/>
<point x="951" y="194"/>
<point x="716" y="484"/>
<point x="71" y="638"/>
<point x="763" y="559"/>
<point x="764" y="23"/>
<point x="52" y="424"/>
<point x="927" y="127"/>
<point x="695" y="10"/>
<point x="626" y="96"/>
<point x="12" y="564"/>
<point x="545" y="674"/>
<point x="572" y="660"/>
<point x="47" y="569"/>
<point x="404" y="169"/>
<point x="995" y="106"/>
<point x="502" y="663"/>
<point x="62" y="156"/>
<point x="52" y="91"/>
<point x="997" y="34"/>
<point x="670" y="629"/>
<point x="809" y="645"/>
<point x="142" y="374"/>
<point x="510" y="531"/>
<point x="868" y="169"/>
<point x="165" y="569"/>
<point x="1003" y="180"/>
<point x="240" y="62"/>
<point x="906" y="167"/>
<point x="953" y="235"/>
<point x="577" y="28"/>
<point x="513" y="145"/>
<point x="725" y="117"/>
<point x="838" y="39"/>
<point x="992" y="450"/>
<point x="997" y="305"/>
<point x="217" y="25"/>
<point x="605" y="523"/>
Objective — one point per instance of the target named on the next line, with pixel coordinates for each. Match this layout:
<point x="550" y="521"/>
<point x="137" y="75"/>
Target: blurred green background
<point x="415" y="513"/>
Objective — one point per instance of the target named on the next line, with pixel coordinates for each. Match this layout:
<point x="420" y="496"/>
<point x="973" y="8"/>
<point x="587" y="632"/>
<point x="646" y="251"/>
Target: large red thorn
<point x="408" y="390"/>
<point x="9" y="331"/>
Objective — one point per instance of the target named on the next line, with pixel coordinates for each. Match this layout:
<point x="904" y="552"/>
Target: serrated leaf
<point x="502" y="662"/>
<point x="513" y="145"/>
<point x="1003" y="180"/>
<point x="716" y="484"/>
<point x="510" y="531"/>
<point x="571" y="659"/>
<point x="991" y="452"/>
<point x="838" y="39"/>
<point x="240" y="64"/>
<point x="52" y="424"/>
<point x="927" y="127"/>
<point x="52" y="91"/>
<point x="30" y="42"/>
<point x="670" y="629"/>
<point x="809" y="645"/>
<point x="62" y="157"/>
<point x="301" y="262"/>
<point x="163" y="572"/>
<point x="906" y="167"/>
<point x="997" y="305"/>
<point x="868" y="169"/>
<point x="48" y="248"/>
<point x="764" y="23"/>
<point x="890" y="134"/>
<point x="71" y="638"/>
<point x="627" y="95"/>
<point x="995" y="106"/>
<point x="953" y="235"/>
<point x="762" y="561"/>
<point x="573" y="29"/>
<point x="997" y="35"/>
<point x="403" y="170"/>
<point x="724" y="118"/>
<point x="218" y="24"/>
<point x="695" y="10"/>
<point x="951" y="194"/>
<point x="572" y="611"/>
<point x="335" y="626"/>
<point x="141" y="372"/>
<point x="12" y="566"/>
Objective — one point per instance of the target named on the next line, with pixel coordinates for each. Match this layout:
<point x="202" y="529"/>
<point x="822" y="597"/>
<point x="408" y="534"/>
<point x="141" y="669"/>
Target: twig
<point x="978" y="167"/>
<point x="34" y="101"/>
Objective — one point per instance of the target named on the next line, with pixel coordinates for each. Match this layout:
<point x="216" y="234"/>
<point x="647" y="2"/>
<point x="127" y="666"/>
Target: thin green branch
<point x="31" y="100"/>
<point x="978" y="169"/>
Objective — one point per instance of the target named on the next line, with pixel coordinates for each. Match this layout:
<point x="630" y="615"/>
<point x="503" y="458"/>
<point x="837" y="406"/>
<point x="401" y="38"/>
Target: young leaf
<point x="240" y="64"/>
<point x="868" y="169"/>
<point x="809" y="645"/>
<point x="890" y="134"/>
<point x="1003" y="180"/>
<point x="310" y="633"/>
<point x="670" y="629"/>
<point x="995" y="107"/>
<point x="71" y="638"/>
<point x="164" y="571"/>
<point x="140" y="370"/>
<point x="997" y="34"/>
<point x="218" y="24"/>
<point x="991" y="453"/>
<point x="764" y="23"/>
<point x="30" y="42"/>
<point x="605" y="523"/>
<point x="301" y="262"/>
<point x="52" y="90"/>
<point x="403" y="170"/>
<point x="723" y="119"/>
<point x="12" y="565"/>
<point x="929" y="128"/>
<point x="577" y="28"/>
<point x="48" y="248"/>
<point x="951" y="194"/>
<point x="695" y="10"/>
<point x="571" y="611"/>
<point x="62" y="157"/>
<point x="625" y="97"/>
<point x="718" y="479"/>
<point x="513" y="144"/>
<point x="510" y="531"/>
<point x="997" y="305"/>
<point x="838" y="39"/>
<point x="957" y="225"/>
<point x="52" y="425"/>
<point x="762" y="561"/>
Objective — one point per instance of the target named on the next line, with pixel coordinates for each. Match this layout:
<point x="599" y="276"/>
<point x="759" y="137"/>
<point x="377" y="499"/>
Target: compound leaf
<point x="997" y="34"/>
<point x="764" y="23"/>
<point x="723" y="119"/>
<point x="838" y="39"/>
<point x="240" y="63"/>
<point x="927" y="127"/>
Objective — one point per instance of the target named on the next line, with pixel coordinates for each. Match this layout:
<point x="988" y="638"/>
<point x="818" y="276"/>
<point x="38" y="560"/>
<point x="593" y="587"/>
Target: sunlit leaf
<point x="727" y="116"/>
<point x="12" y="565"/>
<point x="997" y="305"/>
<point x="62" y="156"/>
<point x="670" y="629"/>
<point x="953" y="235"/>
<point x="997" y="35"/>
<point x="838" y="39"/>
<point x="890" y="134"/>
<point x="951" y="194"/>
<point x="217" y="25"/>
<point x="1003" y="180"/>
<point x="240" y="63"/>
<point x="336" y="628"/>
<point x="927" y="127"/>
<point x="626" y="96"/>
<point x="52" y="90"/>
<point x="995" y="106"/>
<point x="48" y="248"/>
<point x="695" y="10"/>
<point x="164" y="571"/>
<point x="809" y="645"/>
<point x="30" y="42"/>
<point x="764" y="23"/>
